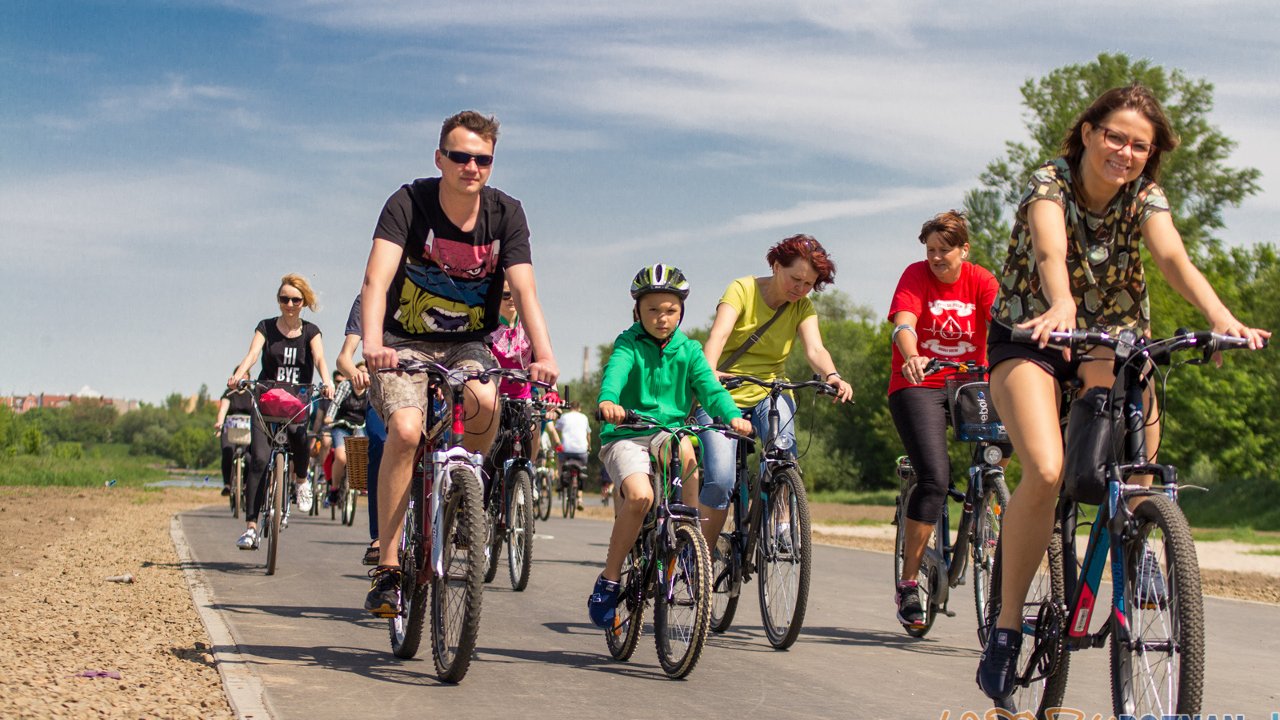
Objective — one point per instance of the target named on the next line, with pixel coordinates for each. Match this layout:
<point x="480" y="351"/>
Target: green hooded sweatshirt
<point x="661" y="382"/>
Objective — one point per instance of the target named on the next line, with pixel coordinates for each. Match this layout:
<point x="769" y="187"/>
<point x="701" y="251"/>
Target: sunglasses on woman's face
<point x="506" y="295"/>
<point x="286" y="300"/>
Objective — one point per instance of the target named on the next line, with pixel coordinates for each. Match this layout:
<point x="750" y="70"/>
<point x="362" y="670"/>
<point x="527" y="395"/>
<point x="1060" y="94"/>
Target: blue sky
<point x="162" y="164"/>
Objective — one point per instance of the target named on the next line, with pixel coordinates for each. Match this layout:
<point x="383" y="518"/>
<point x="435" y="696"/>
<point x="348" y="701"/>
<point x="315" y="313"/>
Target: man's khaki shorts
<point x="391" y="391"/>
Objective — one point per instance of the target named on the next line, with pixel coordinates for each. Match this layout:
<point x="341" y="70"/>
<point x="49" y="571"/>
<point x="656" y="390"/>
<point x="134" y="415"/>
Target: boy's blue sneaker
<point x="603" y="602"/>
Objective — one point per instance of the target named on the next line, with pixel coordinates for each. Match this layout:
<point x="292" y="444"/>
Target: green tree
<point x="1195" y="177"/>
<point x="192" y="447"/>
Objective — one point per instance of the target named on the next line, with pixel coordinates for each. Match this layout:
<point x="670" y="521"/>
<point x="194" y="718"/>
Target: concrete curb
<point x="241" y="684"/>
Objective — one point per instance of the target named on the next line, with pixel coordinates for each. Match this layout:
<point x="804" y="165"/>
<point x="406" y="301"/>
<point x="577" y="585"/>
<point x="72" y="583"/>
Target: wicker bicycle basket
<point x="357" y="462"/>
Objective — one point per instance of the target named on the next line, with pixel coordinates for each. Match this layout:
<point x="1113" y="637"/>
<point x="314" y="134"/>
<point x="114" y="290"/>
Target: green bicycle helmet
<point x="659" y="278"/>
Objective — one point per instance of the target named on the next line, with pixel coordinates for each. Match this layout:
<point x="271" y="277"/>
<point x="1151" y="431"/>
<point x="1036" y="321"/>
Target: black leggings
<point x="920" y="414"/>
<point x="259" y="454"/>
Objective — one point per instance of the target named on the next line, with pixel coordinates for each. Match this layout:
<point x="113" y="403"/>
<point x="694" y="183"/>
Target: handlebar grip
<point x="1021" y="335"/>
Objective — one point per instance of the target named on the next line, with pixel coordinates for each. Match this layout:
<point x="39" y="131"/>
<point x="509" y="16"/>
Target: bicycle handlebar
<point x="936" y="365"/>
<point x="418" y="367"/>
<point x="820" y="385"/>
<point x="633" y="420"/>
<point x="1159" y="351"/>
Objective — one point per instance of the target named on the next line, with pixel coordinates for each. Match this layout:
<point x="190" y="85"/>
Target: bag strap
<point x="751" y="340"/>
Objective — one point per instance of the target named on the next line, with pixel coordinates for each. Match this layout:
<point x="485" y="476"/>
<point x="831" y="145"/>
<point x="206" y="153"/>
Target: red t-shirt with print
<point x="951" y="319"/>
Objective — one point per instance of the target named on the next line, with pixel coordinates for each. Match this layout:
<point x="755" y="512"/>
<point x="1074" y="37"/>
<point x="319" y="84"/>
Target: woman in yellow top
<point x="799" y="266"/>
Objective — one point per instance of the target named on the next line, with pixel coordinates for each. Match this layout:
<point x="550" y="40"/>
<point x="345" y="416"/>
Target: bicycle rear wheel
<point x="565" y="498"/>
<point x="924" y="583"/>
<point x="1159" y="670"/>
<point x="455" y="597"/>
<point x="1043" y="621"/>
<point x="315" y="476"/>
<point x="629" y="617"/>
<point x="492" y="540"/>
<point x="275" y="511"/>
<point x="982" y="545"/>
<point x="520" y="534"/>
<point x="682" y="603"/>
<point x="784" y="559"/>
<point x="572" y="494"/>
<point x="726" y="581"/>
<point x="349" y="499"/>
<point x="405" y="628"/>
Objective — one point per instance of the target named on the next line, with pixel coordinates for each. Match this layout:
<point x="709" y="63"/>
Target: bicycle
<point x="344" y="509"/>
<point x="315" y="473"/>
<point x="570" y="486"/>
<point x="542" y="495"/>
<point x="943" y="565"/>
<point x="1156" y="623"/>
<point x="669" y="563"/>
<point x="275" y="509"/>
<point x="509" y="500"/>
<point x="441" y="546"/>
<point x="239" y="433"/>
<point x="768" y="532"/>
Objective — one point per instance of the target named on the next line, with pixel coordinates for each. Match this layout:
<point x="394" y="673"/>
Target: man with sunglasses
<point x="442" y="249"/>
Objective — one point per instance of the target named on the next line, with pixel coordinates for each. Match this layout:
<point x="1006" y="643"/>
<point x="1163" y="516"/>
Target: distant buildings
<point x="22" y="403"/>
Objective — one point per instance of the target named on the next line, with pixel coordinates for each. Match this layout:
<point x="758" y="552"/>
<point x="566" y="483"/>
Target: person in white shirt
<point x="575" y="440"/>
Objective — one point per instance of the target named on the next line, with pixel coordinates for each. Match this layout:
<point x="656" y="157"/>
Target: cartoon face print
<point x="461" y="259"/>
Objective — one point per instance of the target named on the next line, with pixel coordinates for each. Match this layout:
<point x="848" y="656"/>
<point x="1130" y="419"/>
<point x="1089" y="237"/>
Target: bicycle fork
<point x="443" y="464"/>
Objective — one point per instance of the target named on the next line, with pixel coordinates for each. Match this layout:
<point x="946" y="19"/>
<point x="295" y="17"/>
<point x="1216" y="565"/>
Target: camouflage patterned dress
<point x="1104" y="259"/>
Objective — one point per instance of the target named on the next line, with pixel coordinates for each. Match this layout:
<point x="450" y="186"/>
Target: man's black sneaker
<point x="910" y="613"/>
<point x="383" y="599"/>
<point x="999" y="663"/>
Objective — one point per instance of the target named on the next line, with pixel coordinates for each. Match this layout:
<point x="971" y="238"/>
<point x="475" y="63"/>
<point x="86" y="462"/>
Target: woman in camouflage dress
<point x="1075" y="263"/>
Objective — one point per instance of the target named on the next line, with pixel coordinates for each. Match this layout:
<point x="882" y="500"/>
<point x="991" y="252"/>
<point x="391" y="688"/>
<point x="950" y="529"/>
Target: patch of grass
<point x="99" y="465"/>
<point x="1272" y="552"/>
<point x="1234" y="503"/>
<point x="855" y="497"/>
<point x="864" y="522"/>
<point x="1245" y="535"/>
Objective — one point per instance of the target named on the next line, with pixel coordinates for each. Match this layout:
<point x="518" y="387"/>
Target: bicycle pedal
<point x="948" y="613"/>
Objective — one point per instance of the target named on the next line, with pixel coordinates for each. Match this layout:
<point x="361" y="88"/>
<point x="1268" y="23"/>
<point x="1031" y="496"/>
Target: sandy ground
<point x="61" y="618"/>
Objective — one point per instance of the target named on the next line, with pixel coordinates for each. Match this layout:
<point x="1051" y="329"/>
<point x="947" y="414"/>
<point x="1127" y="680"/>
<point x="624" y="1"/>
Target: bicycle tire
<point x="405" y="629"/>
<point x="520" y="532"/>
<point x="237" y="485"/>
<point x="350" y="499"/>
<point x="574" y="490"/>
<point x="315" y="476"/>
<point x="1142" y="683"/>
<point x="982" y="545"/>
<point x="784" y="572"/>
<point x="629" y="618"/>
<point x="545" y="501"/>
<point x="492" y="541"/>
<point x="564" y="495"/>
<point x="925" y="584"/>
<point x="455" y="598"/>
<point x="276" y="510"/>
<point x="726" y="582"/>
<point x="1047" y="586"/>
<point x="682" y="603"/>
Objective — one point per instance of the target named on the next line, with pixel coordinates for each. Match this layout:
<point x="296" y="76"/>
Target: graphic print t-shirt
<point x="450" y="282"/>
<point x="951" y="320"/>
<point x="286" y="361"/>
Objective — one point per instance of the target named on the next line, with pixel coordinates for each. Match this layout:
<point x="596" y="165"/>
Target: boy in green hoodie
<point x="657" y="370"/>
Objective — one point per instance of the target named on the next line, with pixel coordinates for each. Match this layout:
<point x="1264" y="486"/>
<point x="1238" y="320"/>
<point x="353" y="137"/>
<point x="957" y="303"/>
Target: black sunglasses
<point x="462" y="158"/>
<point x="506" y="295"/>
<point x="286" y="300"/>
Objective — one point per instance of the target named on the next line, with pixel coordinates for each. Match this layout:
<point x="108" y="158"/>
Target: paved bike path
<point x="315" y="654"/>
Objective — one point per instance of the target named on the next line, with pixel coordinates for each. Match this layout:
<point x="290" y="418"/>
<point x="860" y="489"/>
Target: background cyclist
<point x="575" y="441"/>
<point x="940" y="309"/>
<point x="290" y="349"/>
<point x="233" y="402"/>
<point x="344" y="419"/>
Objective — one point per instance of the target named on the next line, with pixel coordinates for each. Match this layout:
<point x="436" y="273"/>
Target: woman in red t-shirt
<point x="940" y="310"/>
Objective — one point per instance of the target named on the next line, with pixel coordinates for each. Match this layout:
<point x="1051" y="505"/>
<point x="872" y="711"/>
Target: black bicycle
<point x="571" y="472"/>
<point x="509" y="501"/>
<point x="669" y="563"/>
<point x="441" y="546"/>
<point x="1156" y="621"/>
<point x="973" y="420"/>
<point x="768" y="532"/>
<point x="273" y="516"/>
<point x="238" y="431"/>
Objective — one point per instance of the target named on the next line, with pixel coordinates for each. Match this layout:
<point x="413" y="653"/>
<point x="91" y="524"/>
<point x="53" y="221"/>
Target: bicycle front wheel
<point x="455" y="597"/>
<point x="545" y="500"/>
<point x="492" y="541"/>
<point x="1159" y="670"/>
<point x="406" y="627"/>
<point x="349" y="499"/>
<point x="682" y="603"/>
<point x="982" y="544"/>
<point x="520" y="532"/>
<point x="237" y="485"/>
<point x="784" y="559"/>
<point x="275" y="512"/>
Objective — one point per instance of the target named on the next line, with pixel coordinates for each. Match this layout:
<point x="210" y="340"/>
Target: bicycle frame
<point x="952" y="559"/>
